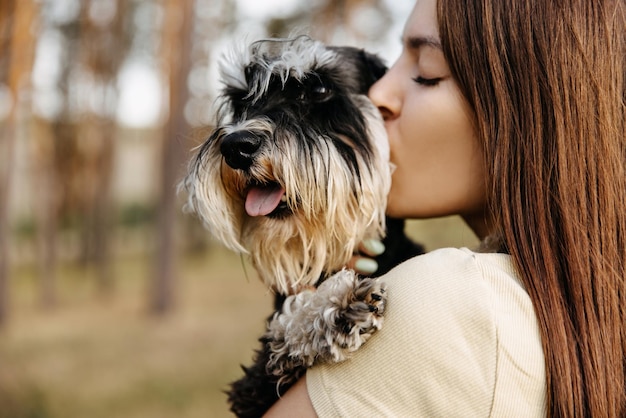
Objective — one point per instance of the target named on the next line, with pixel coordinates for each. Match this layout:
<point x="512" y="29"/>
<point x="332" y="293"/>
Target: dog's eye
<point x="321" y="93"/>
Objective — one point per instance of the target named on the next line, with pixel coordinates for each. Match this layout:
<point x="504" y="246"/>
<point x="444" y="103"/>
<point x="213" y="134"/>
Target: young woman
<point x="511" y="114"/>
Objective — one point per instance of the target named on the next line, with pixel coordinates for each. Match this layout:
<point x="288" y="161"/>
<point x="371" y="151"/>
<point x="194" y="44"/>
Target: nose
<point x="385" y="94"/>
<point x="240" y="148"/>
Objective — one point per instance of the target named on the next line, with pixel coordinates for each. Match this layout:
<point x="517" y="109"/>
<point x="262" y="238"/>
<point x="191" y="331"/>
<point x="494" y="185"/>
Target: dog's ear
<point x="376" y="68"/>
<point x="370" y="67"/>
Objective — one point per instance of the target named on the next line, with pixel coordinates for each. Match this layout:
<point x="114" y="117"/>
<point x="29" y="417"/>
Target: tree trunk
<point x="177" y="39"/>
<point x="6" y="152"/>
<point x="103" y="47"/>
<point x="16" y="60"/>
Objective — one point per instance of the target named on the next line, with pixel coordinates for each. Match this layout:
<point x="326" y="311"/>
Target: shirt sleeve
<point x="437" y="353"/>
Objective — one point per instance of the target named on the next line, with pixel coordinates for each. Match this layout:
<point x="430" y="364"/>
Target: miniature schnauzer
<point x="296" y="175"/>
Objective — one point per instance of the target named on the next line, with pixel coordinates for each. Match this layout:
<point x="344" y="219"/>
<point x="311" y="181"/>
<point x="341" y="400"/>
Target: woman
<point x="511" y="114"/>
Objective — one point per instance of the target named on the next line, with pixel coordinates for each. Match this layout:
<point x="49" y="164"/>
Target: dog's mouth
<point x="266" y="200"/>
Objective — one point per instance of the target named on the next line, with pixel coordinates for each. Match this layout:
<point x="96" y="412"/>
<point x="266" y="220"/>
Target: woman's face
<point x="440" y="167"/>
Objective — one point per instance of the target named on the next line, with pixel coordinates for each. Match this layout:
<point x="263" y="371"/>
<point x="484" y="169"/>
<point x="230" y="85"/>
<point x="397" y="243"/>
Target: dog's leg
<point x="253" y="394"/>
<point x="325" y="324"/>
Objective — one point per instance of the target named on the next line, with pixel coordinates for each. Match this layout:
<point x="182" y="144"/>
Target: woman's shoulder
<point x="454" y="302"/>
<point x="459" y="277"/>
<point x="459" y="335"/>
<point x="459" y="265"/>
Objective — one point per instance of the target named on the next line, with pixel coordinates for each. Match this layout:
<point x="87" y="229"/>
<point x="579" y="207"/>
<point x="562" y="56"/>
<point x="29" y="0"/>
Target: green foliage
<point x="136" y="215"/>
<point x="24" y="227"/>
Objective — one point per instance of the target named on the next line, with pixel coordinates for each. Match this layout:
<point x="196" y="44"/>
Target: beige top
<point x="460" y="339"/>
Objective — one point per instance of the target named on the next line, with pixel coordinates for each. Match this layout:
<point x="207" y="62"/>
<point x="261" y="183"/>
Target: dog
<point x="296" y="175"/>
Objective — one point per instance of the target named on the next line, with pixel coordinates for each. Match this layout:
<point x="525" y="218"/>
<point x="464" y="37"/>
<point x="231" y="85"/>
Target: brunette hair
<point x="546" y="80"/>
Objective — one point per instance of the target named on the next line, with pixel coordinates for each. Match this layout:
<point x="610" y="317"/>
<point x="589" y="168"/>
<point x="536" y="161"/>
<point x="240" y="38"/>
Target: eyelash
<point x="428" y="82"/>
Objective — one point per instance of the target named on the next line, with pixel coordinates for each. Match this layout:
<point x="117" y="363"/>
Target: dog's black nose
<point x="240" y="148"/>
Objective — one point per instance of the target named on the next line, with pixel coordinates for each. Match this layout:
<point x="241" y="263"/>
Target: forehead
<point x="422" y="22"/>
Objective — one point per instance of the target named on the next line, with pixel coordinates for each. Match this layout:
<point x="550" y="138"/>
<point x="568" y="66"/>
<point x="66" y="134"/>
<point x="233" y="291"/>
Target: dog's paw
<point x="364" y="307"/>
<point x="326" y="324"/>
<point x="358" y="313"/>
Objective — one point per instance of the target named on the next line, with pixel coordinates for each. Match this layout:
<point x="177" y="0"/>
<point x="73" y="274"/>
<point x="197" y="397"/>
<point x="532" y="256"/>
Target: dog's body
<point x="296" y="174"/>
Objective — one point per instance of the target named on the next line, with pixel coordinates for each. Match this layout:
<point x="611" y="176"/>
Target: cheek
<point x="439" y="161"/>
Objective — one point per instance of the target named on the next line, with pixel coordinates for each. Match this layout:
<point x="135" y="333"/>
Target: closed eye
<point x="429" y="82"/>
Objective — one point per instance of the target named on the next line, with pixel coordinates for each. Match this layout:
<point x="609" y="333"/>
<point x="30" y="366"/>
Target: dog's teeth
<point x="283" y="199"/>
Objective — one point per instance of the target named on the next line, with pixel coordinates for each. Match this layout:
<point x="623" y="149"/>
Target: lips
<point x="264" y="200"/>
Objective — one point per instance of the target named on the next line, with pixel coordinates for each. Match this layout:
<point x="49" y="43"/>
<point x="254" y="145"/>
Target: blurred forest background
<point x="113" y="302"/>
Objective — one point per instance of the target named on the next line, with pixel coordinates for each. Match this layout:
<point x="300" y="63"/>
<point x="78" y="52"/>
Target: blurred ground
<point x="94" y="357"/>
<point x="108" y="358"/>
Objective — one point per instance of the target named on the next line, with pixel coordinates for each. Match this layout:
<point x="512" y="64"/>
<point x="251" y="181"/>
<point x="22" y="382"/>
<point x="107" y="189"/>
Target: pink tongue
<point x="261" y="201"/>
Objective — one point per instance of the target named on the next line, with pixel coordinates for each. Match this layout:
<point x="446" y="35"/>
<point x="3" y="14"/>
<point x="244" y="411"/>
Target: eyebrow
<point x="416" y="42"/>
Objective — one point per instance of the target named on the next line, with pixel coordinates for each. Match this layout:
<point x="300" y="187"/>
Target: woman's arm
<point x="295" y="400"/>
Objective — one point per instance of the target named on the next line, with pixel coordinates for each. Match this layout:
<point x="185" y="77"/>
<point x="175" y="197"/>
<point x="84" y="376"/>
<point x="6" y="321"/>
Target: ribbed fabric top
<point x="460" y="339"/>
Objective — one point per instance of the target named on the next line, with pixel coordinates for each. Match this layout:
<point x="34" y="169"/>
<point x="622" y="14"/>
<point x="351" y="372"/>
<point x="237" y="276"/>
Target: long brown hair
<point x="546" y="80"/>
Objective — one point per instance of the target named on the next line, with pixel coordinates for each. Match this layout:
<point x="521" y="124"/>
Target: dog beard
<point x="297" y="171"/>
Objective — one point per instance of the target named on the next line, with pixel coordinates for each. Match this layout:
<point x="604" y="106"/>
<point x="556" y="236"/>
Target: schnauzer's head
<point x="297" y="171"/>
